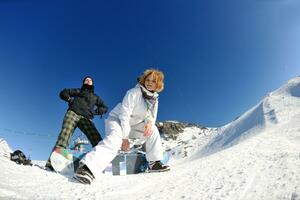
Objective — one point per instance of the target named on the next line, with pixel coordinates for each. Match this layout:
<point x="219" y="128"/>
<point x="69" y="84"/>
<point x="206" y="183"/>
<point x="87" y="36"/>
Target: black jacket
<point x="84" y="102"/>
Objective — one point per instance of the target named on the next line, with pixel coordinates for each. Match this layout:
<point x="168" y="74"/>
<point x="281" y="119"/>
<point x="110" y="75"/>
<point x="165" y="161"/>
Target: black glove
<point x="70" y="101"/>
<point x="101" y="110"/>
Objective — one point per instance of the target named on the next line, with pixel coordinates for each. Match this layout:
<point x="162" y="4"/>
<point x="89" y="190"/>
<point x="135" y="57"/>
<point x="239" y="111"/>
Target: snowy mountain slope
<point x="257" y="156"/>
<point x="187" y="142"/>
<point x="181" y="140"/>
<point x="275" y="110"/>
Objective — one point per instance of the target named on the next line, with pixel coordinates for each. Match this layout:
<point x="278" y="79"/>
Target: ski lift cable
<point x="27" y="133"/>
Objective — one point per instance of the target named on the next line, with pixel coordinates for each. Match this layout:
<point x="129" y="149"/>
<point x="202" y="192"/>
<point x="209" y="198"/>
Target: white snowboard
<point x="62" y="163"/>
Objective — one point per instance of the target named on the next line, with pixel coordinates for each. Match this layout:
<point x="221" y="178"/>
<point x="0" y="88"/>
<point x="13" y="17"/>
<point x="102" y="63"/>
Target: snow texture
<point x="257" y="156"/>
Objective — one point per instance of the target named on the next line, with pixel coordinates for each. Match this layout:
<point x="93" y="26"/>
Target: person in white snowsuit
<point x="134" y="117"/>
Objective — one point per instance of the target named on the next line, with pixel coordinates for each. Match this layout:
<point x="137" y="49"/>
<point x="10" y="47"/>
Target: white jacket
<point x="133" y="111"/>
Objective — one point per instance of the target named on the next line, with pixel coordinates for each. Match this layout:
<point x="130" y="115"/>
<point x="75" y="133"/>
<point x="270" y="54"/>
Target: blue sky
<point x="219" y="58"/>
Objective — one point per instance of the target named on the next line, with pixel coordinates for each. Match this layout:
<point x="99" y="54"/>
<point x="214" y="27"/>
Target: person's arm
<point x="126" y="110"/>
<point x="101" y="107"/>
<point x="68" y="94"/>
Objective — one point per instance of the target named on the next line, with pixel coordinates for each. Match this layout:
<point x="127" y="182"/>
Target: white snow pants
<point x="106" y="150"/>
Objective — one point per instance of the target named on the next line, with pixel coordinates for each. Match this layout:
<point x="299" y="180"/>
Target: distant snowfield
<point x="257" y="156"/>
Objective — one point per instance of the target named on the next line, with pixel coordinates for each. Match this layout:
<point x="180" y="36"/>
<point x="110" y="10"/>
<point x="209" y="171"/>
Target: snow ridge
<point x="278" y="107"/>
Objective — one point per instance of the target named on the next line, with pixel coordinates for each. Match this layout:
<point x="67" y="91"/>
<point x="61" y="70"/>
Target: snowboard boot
<point x="49" y="167"/>
<point x="157" y="166"/>
<point x="83" y="174"/>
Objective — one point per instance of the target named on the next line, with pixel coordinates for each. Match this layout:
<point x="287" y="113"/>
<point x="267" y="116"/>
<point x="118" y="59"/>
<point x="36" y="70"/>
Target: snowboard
<point x="166" y="158"/>
<point x="133" y="162"/>
<point x="65" y="161"/>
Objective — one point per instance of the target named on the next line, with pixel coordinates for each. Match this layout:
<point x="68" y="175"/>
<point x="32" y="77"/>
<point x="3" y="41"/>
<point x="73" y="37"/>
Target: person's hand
<point x="101" y="110"/>
<point x="148" y="129"/>
<point x="70" y="100"/>
<point x="125" y="145"/>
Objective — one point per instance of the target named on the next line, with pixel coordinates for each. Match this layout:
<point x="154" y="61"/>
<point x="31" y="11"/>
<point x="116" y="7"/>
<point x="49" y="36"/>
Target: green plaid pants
<point x="70" y="123"/>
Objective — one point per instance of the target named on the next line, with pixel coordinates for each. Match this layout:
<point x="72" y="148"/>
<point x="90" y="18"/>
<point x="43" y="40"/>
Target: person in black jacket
<point x="83" y="105"/>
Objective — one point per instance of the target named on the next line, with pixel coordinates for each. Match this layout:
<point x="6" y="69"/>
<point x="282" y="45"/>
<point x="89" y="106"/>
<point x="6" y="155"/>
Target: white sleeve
<point x="126" y="109"/>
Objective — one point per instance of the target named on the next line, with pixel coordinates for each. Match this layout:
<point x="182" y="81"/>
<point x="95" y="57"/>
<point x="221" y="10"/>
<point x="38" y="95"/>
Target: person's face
<point x="88" y="81"/>
<point x="150" y="83"/>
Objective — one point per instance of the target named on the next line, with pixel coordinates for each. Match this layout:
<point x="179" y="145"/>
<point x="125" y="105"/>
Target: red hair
<point x="158" y="77"/>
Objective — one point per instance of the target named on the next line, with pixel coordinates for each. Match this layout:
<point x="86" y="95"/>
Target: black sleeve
<point x="101" y="107"/>
<point x="66" y="94"/>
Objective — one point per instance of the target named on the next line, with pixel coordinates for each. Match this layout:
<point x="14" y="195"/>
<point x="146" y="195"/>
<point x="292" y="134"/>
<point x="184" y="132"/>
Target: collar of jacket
<point x="147" y="94"/>
<point x="89" y="88"/>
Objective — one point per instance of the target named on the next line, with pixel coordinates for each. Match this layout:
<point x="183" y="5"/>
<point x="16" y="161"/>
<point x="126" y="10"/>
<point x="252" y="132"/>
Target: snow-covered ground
<point x="257" y="156"/>
<point x="5" y="150"/>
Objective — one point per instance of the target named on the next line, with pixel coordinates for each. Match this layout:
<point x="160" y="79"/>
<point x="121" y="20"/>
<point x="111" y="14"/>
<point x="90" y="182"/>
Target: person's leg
<point x="68" y="127"/>
<point x="102" y="154"/>
<point x="154" y="149"/>
<point x="154" y="152"/>
<point x="69" y="124"/>
<point x="89" y="129"/>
